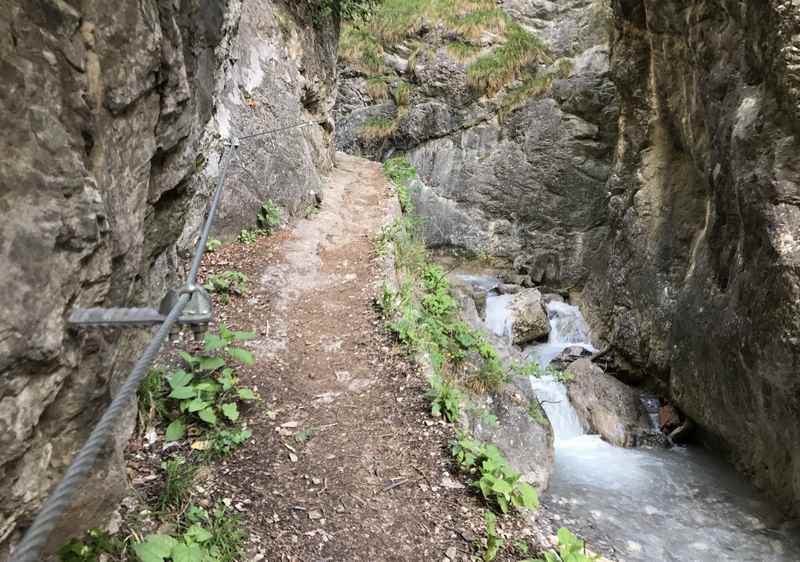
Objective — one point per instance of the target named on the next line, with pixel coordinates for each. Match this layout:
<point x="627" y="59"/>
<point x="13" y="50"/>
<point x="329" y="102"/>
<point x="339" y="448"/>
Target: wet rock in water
<point x="530" y="322"/>
<point x="509" y="289"/>
<point x="607" y="405"/>
<point x="569" y="356"/>
<point x="525" y="440"/>
<point x="547" y="298"/>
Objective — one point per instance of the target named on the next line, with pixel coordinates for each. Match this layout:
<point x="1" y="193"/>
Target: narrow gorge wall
<point x="702" y="280"/>
<point x="516" y="176"/>
<point x="112" y="116"/>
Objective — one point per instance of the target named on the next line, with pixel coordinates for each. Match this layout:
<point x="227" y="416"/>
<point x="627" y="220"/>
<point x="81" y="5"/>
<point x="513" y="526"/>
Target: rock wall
<point x="112" y="116"/>
<point x="702" y="280"/>
<point x="525" y="183"/>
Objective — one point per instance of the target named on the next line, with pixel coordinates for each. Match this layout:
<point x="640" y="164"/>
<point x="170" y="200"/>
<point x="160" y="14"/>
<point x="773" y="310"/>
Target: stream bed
<point x="682" y="504"/>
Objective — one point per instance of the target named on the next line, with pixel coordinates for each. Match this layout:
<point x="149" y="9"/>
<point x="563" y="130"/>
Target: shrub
<point x="268" y="216"/>
<point x="445" y="399"/>
<point x="498" y="483"/>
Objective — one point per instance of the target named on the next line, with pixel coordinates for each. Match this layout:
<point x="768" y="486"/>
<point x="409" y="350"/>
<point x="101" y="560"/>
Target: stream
<point x="681" y="504"/>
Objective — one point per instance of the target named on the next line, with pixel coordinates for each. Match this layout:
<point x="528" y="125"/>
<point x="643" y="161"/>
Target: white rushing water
<point x="644" y="505"/>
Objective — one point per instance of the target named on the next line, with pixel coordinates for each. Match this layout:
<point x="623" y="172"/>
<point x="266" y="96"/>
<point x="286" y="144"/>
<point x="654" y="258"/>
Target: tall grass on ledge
<point x="359" y="48"/>
<point x="377" y="128"/>
<point x="491" y="72"/>
<point x="533" y="87"/>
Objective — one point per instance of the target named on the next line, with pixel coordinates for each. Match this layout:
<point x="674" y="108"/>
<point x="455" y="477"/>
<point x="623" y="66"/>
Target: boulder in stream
<point x="607" y="405"/>
<point x="526" y="440"/>
<point x="529" y="317"/>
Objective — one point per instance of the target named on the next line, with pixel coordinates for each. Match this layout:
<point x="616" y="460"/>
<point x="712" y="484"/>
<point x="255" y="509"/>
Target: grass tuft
<point x="377" y="88"/>
<point x="462" y="51"/>
<point x="534" y="87"/>
<point x="377" y="129"/>
<point x="491" y="72"/>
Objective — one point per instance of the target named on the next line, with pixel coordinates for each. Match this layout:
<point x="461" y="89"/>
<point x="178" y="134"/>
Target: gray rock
<point x="606" y="405"/>
<point x="529" y="317"/>
<point x="528" y="180"/>
<point x="509" y="289"/>
<point x="112" y="115"/>
<point x="526" y="441"/>
<point x="701" y="284"/>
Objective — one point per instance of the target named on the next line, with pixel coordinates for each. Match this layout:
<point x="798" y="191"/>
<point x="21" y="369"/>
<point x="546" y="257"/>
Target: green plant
<point x="377" y="88"/>
<point x="268" y="217"/>
<point x="203" y="537"/>
<point x="377" y="128"/>
<point x="402" y="94"/>
<point x="223" y="441"/>
<point x="536" y="413"/>
<point x="499" y="484"/>
<point x="570" y="549"/>
<point x="226" y="283"/>
<point x="445" y="399"/>
<point x="209" y="389"/>
<point x="463" y="51"/>
<point x="491" y="72"/>
<point x="399" y="170"/>
<point x="304" y="435"/>
<point x="484" y="414"/>
<point x="213" y="245"/>
<point x="493" y="541"/>
<point x="152" y="399"/>
<point x="178" y="478"/>
<point x="533" y="87"/>
<point x="90" y="547"/>
<point x="247" y="236"/>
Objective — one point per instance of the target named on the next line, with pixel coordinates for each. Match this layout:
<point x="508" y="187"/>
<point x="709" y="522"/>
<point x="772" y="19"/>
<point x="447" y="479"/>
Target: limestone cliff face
<point x="521" y="179"/>
<point x="112" y="114"/>
<point x="702" y="280"/>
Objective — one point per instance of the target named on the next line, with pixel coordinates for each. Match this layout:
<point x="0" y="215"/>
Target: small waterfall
<point x="498" y="318"/>
<point x="567" y="329"/>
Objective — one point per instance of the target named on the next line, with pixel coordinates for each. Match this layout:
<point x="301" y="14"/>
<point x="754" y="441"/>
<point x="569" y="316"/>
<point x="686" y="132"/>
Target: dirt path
<point x="346" y="464"/>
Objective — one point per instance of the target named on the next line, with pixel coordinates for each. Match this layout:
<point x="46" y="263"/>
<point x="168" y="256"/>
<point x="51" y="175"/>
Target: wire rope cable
<point x="35" y="539"/>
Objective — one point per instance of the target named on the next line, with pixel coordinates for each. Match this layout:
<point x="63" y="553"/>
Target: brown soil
<point x="345" y="462"/>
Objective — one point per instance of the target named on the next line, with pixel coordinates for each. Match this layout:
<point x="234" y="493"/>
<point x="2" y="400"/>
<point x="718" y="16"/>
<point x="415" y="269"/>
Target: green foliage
<point x="203" y="537"/>
<point x="178" y="478"/>
<point x="223" y="441"/>
<point x="248" y="236"/>
<point x="345" y="10"/>
<point x="213" y="245"/>
<point x="268" y="217"/>
<point x="536" y="413"/>
<point x="377" y="128"/>
<point x="445" y="399"/>
<point x="377" y="88"/>
<point x="402" y="94"/>
<point x="491" y="72"/>
<point x="570" y="549"/>
<point x="498" y="482"/>
<point x="304" y="435"/>
<point x="90" y="547"/>
<point x="493" y="541"/>
<point x="152" y="399"/>
<point x="207" y="392"/>
<point x="462" y="51"/>
<point x="359" y="48"/>
<point x="534" y="87"/>
<point x="227" y="283"/>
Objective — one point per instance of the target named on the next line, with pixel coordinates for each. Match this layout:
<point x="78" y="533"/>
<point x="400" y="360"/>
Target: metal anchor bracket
<point x="197" y="314"/>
